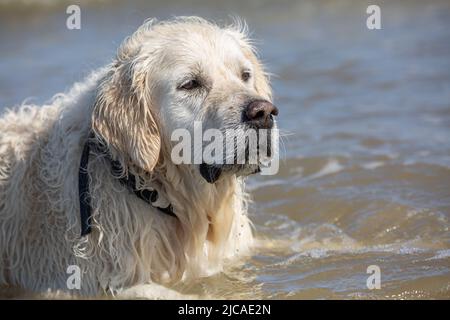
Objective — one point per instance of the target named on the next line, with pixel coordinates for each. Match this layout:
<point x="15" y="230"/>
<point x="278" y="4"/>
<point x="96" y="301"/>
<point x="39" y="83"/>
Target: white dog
<point x="96" y="161"/>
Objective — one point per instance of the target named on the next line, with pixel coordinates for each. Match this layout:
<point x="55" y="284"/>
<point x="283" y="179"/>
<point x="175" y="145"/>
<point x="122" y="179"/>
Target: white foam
<point x="441" y="254"/>
<point x="313" y="253"/>
<point x="373" y="165"/>
<point x="332" y="166"/>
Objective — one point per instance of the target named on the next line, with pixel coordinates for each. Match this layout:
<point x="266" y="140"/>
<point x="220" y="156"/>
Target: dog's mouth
<point x="212" y="172"/>
<point x="246" y="164"/>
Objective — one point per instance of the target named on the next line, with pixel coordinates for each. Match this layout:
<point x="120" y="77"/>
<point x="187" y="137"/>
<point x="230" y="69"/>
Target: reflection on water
<point x="365" y="176"/>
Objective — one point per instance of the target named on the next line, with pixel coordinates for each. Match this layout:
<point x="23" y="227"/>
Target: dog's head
<point x="173" y="75"/>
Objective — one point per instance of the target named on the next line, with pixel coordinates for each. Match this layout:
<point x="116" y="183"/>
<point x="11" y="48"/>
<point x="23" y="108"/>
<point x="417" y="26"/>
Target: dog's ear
<point x="123" y="116"/>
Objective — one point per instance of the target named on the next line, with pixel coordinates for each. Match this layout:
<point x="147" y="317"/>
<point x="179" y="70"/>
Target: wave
<point x="332" y="166"/>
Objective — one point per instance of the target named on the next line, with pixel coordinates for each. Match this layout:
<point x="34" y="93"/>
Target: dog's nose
<point x="260" y="114"/>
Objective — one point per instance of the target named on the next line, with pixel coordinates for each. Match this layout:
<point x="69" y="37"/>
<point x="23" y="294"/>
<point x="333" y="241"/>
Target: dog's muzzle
<point x="212" y="173"/>
<point x="256" y="115"/>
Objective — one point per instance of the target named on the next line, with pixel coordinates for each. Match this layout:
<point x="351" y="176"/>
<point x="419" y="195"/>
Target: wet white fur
<point x="132" y="245"/>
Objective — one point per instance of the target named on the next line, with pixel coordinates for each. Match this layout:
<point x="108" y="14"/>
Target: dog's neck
<point x="209" y="205"/>
<point x="206" y="212"/>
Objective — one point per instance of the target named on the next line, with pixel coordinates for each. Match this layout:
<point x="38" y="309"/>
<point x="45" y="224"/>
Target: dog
<point x="87" y="183"/>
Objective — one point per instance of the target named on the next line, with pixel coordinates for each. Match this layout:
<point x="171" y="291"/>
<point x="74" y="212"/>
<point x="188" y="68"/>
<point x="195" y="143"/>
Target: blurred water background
<point x="365" y="175"/>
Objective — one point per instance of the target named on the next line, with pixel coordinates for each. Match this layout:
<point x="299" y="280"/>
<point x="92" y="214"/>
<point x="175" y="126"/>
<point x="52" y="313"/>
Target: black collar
<point x="129" y="181"/>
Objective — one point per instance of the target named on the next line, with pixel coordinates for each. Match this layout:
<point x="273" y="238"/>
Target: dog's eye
<point x="246" y="75"/>
<point x="189" y="85"/>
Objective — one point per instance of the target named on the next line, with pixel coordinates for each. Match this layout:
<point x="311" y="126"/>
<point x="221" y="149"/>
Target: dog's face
<point x="193" y="71"/>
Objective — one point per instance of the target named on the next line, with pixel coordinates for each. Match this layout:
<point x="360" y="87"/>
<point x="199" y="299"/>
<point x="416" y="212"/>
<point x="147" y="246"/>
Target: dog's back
<point x="38" y="156"/>
<point x="23" y="133"/>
